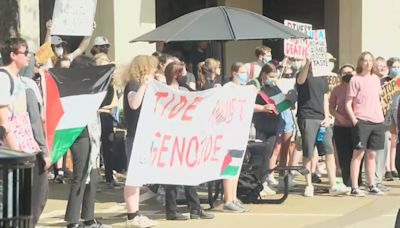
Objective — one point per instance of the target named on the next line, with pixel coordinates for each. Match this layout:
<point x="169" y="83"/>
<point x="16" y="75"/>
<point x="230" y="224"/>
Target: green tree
<point x="9" y="19"/>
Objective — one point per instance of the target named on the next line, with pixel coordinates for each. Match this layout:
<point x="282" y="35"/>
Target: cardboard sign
<point x="73" y="17"/>
<point x="297" y="48"/>
<point x="188" y="138"/>
<point x="318" y="48"/>
<point x="334" y="81"/>
<point x="44" y="53"/>
<point x="22" y="131"/>
<point x="389" y="89"/>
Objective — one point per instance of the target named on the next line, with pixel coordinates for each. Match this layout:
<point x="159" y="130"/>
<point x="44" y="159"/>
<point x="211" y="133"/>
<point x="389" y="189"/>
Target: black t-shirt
<point x="131" y="116"/>
<point x="311" y="98"/>
<point x="194" y="58"/>
<point x="264" y="121"/>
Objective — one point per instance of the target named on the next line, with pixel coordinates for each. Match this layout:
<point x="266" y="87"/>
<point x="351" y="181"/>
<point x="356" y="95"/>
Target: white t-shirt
<point x="5" y="85"/>
<point x="257" y="69"/>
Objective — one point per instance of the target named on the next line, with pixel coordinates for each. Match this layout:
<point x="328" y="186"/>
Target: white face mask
<point x="59" y="51"/>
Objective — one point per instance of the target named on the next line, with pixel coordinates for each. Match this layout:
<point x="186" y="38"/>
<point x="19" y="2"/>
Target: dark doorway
<point x="306" y="11"/>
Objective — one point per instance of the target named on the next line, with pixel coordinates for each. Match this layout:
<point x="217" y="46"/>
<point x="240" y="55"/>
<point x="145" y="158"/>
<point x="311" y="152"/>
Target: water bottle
<point x="321" y="134"/>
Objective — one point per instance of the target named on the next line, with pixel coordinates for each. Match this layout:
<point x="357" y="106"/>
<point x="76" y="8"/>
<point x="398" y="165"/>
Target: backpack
<point x="249" y="185"/>
<point x="11" y="80"/>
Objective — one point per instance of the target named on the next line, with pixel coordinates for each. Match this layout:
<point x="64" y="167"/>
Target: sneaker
<point x="140" y="221"/>
<point x="267" y="191"/>
<point x="373" y="190"/>
<point x="232" y="207"/>
<point x="389" y="176"/>
<point x="96" y="224"/>
<point x="309" y="191"/>
<point x="200" y="214"/>
<point x="357" y="192"/>
<point x="271" y="180"/>
<point x="177" y="216"/>
<point x="114" y="185"/>
<point x="395" y="174"/>
<point x="339" y="190"/>
<point x="382" y="187"/>
<point x="315" y="178"/>
<point x="241" y="205"/>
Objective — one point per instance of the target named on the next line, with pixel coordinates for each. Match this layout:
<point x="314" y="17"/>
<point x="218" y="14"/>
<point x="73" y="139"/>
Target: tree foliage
<point x="9" y="19"/>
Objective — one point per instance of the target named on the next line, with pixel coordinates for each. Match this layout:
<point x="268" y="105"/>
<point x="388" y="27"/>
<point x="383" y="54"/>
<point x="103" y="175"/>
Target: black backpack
<point x="249" y="187"/>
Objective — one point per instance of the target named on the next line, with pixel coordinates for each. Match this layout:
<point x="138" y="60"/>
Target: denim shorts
<point x="286" y="123"/>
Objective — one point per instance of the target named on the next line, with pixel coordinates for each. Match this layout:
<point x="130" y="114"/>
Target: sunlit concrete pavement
<point x="297" y="211"/>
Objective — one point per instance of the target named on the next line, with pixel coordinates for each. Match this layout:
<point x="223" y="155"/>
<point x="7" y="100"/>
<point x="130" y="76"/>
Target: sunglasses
<point x="26" y="53"/>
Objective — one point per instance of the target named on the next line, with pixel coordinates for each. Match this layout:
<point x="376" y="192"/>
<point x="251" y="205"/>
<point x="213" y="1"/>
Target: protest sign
<point x="22" y="131"/>
<point x="318" y="49"/>
<point x="187" y="138"/>
<point x="44" y="53"/>
<point x="73" y="17"/>
<point x="297" y="48"/>
<point x="333" y="81"/>
<point x="388" y="90"/>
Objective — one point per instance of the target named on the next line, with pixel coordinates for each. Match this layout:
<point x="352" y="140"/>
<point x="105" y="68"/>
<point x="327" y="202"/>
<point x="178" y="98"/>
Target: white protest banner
<point x="188" y="138"/>
<point x="318" y="48"/>
<point x="297" y="48"/>
<point x="73" y="17"/>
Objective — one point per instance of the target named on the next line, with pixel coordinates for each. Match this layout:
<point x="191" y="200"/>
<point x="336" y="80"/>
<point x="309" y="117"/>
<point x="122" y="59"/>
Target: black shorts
<point x="368" y="135"/>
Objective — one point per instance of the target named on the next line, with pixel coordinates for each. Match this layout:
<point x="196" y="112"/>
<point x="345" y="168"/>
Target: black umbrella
<point x="220" y="23"/>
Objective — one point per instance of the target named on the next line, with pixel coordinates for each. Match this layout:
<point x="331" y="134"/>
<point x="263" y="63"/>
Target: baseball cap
<point x="56" y="40"/>
<point x="100" y="40"/>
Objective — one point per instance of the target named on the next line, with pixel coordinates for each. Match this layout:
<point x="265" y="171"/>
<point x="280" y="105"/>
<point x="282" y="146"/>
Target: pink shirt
<point x="337" y="101"/>
<point x="365" y="91"/>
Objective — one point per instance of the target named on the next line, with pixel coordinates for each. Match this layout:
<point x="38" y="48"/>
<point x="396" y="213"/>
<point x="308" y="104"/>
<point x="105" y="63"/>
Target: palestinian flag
<point x="73" y="98"/>
<point x="232" y="163"/>
<point x="276" y="97"/>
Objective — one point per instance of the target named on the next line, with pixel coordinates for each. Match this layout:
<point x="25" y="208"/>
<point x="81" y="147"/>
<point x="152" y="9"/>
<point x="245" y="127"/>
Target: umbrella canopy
<point x="220" y="23"/>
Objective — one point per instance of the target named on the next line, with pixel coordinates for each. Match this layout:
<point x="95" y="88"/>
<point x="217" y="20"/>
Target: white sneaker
<point x="267" y="191"/>
<point x="309" y="191"/>
<point x="339" y="190"/>
<point x="271" y="180"/>
<point x="140" y="221"/>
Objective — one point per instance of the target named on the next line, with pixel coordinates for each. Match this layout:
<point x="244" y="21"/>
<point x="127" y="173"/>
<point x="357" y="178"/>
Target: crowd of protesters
<point x="356" y="136"/>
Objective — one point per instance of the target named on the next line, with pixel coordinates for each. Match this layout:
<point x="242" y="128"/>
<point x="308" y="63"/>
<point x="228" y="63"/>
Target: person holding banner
<point x="173" y="74"/>
<point x="60" y="49"/>
<point x="365" y="111"/>
<point x="231" y="202"/>
<point x="312" y="118"/>
<point x="135" y="80"/>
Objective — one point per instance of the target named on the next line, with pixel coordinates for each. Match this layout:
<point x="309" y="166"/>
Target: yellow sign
<point x="43" y="53"/>
<point x="388" y="91"/>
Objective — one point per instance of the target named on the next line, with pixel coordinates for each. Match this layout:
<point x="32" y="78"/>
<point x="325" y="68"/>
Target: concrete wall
<point x="350" y="30"/>
<point x="242" y="51"/>
<point x="381" y="27"/>
<point x="123" y="20"/>
<point x="29" y="22"/>
<point x="332" y="26"/>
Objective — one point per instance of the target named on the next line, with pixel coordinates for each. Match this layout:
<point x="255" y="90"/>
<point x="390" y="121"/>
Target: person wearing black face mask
<point x="342" y="126"/>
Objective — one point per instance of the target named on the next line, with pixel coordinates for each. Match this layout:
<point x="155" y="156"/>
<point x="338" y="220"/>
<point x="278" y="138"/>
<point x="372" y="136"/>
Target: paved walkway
<point x="297" y="211"/>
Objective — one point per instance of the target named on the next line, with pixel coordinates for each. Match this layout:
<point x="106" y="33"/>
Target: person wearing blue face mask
<point x="394" y="67"/>
<point x="238" y="75"/>
<point x="263" y="55"/>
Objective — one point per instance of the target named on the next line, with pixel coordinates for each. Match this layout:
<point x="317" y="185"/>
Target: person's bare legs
<point x="131" y="196"/>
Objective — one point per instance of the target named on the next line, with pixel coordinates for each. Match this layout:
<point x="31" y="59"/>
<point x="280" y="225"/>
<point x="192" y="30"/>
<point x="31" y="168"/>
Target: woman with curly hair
<point x="135" y="80"/>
